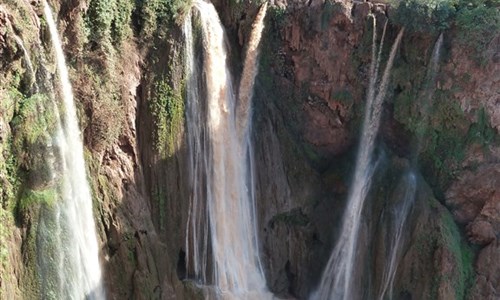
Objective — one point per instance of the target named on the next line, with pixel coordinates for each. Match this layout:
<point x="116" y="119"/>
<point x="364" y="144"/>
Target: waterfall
<point x="398" y="215"/>
<point x="250" y="71"/>
<point x="400" y="211"/>
<point x="66" y="237"/>
<point x="27" y="59"/>
<point x="339" y="275"/>
<point x="428" y="91"/>
<point x="221" y="243"/>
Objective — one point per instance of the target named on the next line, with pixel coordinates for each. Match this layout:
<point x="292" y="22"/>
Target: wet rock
<point x="475" y="201"/>
<point x="487" y="284"/>
<point x="361" y="10"/>
<point x="481" y="232"/>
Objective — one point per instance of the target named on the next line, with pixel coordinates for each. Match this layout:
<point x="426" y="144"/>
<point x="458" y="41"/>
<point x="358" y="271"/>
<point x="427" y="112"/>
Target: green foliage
<point x="167" y="108"/>
<point x="160" y="198"/>
<point x="108" y="20"/>
<point x="481" y="132"/>
<point x="156" y="16"/>
<point x="4" y="232"/>
<point x="424" y="15"/>
<point x="478" y="22"/>
<point x="34" y="120"/>
<point x="33" y="123"/>
<point x="444" y="144"/>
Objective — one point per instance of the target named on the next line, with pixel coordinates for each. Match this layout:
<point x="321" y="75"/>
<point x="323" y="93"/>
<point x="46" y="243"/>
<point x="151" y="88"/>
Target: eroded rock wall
<point x="126" y="69"/>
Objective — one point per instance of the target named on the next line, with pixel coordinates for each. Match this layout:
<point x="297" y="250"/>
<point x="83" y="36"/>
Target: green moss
<point x="463" y="275"/>
<point x="295" y="217"/>
<point x="481" y="132"/>
<point x="167" y="108"/>
<point x="160" y="198"/>
<point x="439" y="125"/>
<point x="155" y="17"/>
<point x="34" y="120"/>
<point x="30" y="198"/>
<point x="108" y="20"/>
<point x="4" y="232"/>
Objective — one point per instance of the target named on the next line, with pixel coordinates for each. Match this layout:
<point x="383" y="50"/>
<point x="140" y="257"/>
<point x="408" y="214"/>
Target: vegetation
<point x="424" y="15"/>
<point x="30" y="198"/>
<point x="167" y="108"/>
<point x="108" y="20"/>
<point x="463" y="275"/>
<point x="295" y="217"/>
<point x="34" y="120"/>
<point x="156" y="16"/>
<point x="477" y="22"/>
<point x="160" y="198"/>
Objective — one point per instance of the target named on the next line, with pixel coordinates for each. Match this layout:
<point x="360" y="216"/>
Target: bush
<point x="424" y="15"/>
<point x="477" y="23"/>
<point x="155" y="16"/>
<point x="108" y="20"/>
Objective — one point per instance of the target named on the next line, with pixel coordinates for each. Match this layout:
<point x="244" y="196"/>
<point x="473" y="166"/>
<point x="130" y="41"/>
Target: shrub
<point x="424" y="15"/>
<point x="108" y="20"/>
<point x="478" y="22"/>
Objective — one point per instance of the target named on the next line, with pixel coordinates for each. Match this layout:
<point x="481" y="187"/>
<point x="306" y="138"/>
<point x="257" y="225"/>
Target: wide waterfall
<point x="66" y="237"/>
<point x="340" y="274"/>
<point x="222" y="247"/>
<point x="401" y="210"/>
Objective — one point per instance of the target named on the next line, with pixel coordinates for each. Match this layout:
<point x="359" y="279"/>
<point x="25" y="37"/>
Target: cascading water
<point x="401" y="210"/>
<point x="428" y="91"/>
<point x="398" y="215"/>
<point x="27" y="58"/>
<point x="338" y="276"/>
<point x="66" y="237"/>
<point x="221" y="242"/>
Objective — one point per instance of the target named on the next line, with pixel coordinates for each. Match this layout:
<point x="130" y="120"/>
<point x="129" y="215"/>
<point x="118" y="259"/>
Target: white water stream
<point x="401" y="210"/>
<point x="222" y="247"/>
<point x="338" y="278"/>
<point x="26" y="56"/>
<point x="398" y="214"/>
<point x="68" y="249"/>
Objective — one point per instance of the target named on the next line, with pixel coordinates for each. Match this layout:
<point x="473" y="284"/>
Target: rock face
<point x="475" y="202"/>
<point x="308" y="103"/>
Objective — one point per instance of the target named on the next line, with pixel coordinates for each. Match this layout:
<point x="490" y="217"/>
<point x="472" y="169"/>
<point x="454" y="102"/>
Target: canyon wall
<point x="125" y="62"/>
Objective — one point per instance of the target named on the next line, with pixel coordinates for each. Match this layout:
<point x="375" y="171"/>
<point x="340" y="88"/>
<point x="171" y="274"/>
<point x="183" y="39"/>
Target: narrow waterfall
<point x="221" y="243"/>
<point x="398" y="214"/>
<point x="339" y="275"/>
<point x="250" y="69"/>
<point x="428" y="92"/>
<point x="401" y="209"/>
<point x="27" y="59"/>
<point x="66" y="237"/>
